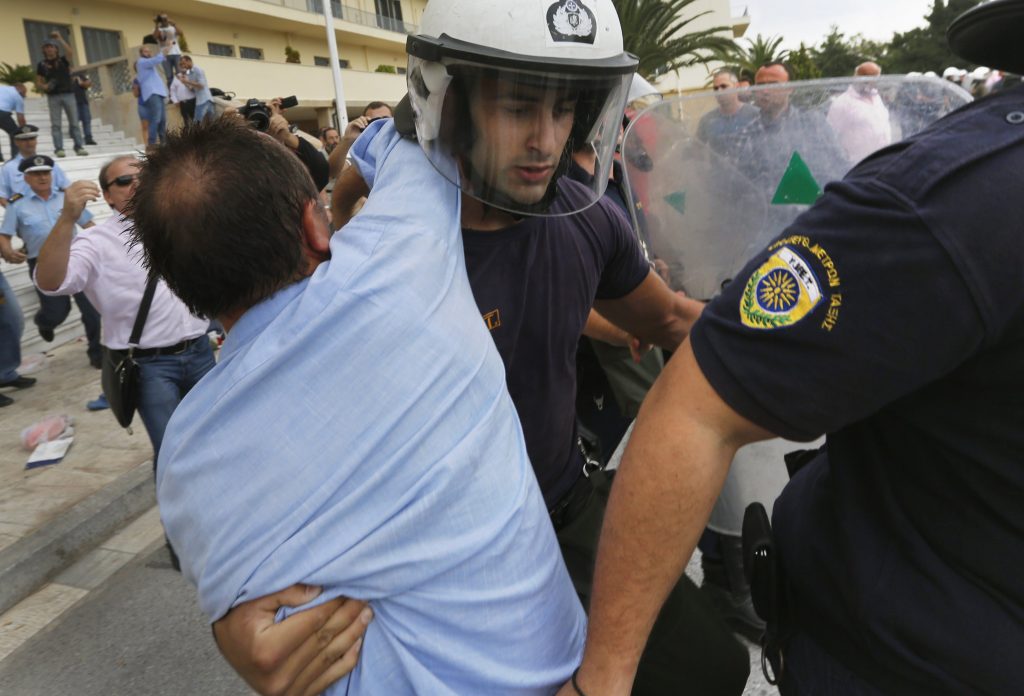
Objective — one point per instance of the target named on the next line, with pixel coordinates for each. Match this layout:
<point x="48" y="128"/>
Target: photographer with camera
<point x="268" y="117"/>
<point x="193" y="77"/>
<point x="337" y="157"/>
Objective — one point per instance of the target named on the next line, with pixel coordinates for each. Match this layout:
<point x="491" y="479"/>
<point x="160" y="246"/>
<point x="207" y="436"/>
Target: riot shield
<point x="714" y="176"/>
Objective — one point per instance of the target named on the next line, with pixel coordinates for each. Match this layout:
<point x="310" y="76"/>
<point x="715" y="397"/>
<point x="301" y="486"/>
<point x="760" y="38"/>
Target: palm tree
<point x="758" y="52"/>
<point x="652" y="30"/>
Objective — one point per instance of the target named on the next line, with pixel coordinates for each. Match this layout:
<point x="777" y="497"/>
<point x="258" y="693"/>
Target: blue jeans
<point x="811" y="671"/>
<point x="54" y="310"/>
<point x="85" y="116"/>
<point x="164" y="380"/>
<point x="157" y="117"/>
<point x="204" y="111"/>
<point x="171" y="67"/>
<point x="11" y="326"/>
<point x="65" y="102"/>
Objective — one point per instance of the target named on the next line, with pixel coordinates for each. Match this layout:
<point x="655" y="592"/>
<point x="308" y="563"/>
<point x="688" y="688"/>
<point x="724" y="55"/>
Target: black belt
<point x="176" y="349"/>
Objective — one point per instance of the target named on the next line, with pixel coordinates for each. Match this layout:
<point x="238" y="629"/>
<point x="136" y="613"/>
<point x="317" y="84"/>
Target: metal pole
<point x="332" y="47"/>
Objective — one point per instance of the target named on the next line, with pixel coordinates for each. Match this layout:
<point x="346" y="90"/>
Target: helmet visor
<point x="513" y="132"/>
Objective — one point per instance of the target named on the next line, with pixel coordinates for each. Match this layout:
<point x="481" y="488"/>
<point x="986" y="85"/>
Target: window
<point x="101" y="44"/>
<point x="38" y="32"/>
<point x="324" y="61"/>
<point x="389" y="14"/>
<point x="250" y="53"/>
<point x="218" y="49"/>
<point x="318" y="7"/>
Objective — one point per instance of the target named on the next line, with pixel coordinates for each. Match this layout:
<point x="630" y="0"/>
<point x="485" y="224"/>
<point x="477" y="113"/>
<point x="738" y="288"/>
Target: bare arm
<point x="673" y="469"/>
<point x="348" y="190"/>
<point x="68" y="53"/>
<point x="603" y="330"/>
<point x="653" y="313"/>
<point x="52" y="264"/>
<point x="305" y="653"/>
<point x="336" y="160"/>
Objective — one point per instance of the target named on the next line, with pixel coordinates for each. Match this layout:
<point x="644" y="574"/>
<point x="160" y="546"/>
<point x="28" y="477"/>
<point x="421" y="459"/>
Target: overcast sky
<point x="809" y="20"/>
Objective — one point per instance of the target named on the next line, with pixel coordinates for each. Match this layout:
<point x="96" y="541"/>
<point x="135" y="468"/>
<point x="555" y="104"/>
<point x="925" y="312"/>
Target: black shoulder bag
<point x="120" y="371"/>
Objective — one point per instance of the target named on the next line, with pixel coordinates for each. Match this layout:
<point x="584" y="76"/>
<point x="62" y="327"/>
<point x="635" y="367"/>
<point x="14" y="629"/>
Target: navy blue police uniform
<point x="891" y="317"/>
<point x="534" y="284"/>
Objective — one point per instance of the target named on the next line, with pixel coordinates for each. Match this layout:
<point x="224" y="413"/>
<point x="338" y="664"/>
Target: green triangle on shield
<point x="798" y="186"/>
<point x="678" y="201"/>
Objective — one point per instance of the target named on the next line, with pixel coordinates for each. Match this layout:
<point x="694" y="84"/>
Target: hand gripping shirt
<point x="357" y="434"/>
<point x="891" y="317"/>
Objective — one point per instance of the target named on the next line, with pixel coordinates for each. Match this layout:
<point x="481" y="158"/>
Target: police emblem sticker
<point x="571" y="21"/>
<point x="780" y="293"/>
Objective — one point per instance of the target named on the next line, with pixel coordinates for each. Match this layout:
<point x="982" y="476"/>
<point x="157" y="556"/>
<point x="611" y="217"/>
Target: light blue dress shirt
<point x="32" y="218"/>
<point x="152" y="79"/>
<point x="11" y="100"/>
<point x="12" y="181"/>
<point x="357" y="434"/>
<point x="203" y="95"/>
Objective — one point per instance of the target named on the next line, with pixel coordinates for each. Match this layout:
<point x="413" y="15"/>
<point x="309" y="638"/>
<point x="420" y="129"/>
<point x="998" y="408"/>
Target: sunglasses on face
<point x="123" y="180"/>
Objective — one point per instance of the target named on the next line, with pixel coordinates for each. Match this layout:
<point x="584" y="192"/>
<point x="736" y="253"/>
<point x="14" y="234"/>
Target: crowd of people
<point x="399" y="392"/>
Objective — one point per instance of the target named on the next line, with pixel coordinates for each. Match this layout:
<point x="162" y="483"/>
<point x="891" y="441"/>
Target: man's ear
<point x="316" y="232"/>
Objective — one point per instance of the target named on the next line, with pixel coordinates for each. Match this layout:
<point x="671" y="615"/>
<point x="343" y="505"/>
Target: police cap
<point x="26" y="132"/>
<point x="990" y="34"/>
<point x="37" y="163"/>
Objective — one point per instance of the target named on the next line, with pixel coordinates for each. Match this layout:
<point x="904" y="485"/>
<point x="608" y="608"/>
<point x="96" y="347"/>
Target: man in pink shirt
<point x="859" y="117"/>
<point x="173" y="352"/>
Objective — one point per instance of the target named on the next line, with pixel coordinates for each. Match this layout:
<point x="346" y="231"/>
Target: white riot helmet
<point x="511" y="88"/>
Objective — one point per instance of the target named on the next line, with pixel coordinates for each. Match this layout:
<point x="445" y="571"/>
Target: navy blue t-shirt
<point x="535" y="283"/>
<point x="891" y="317"/>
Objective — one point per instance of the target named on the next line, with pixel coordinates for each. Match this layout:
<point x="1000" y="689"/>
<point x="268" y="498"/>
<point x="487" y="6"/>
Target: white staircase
<point x="109" y="144"/>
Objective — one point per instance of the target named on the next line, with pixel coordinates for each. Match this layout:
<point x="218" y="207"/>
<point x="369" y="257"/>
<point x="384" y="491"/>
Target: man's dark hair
<point x="218" y="213"/>
<point x="784" y="66"/>
<point x="376" y="105"/>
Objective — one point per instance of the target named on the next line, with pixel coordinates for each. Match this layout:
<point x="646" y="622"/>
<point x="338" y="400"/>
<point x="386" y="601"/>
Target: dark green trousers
<point x="690" y="650"/>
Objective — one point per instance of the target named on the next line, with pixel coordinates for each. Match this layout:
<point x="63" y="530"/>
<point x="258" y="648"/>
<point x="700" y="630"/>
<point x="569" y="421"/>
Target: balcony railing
<point x="349" y="14"/>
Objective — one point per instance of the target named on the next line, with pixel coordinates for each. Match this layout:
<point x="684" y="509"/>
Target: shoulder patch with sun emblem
<point x="780" y="293"/>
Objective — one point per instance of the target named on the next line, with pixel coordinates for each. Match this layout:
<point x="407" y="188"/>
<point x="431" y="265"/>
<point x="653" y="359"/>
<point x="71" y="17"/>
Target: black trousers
<point x="188" y="110"/>
<point x="691" y="650"/>
<point x="7" y="123"/>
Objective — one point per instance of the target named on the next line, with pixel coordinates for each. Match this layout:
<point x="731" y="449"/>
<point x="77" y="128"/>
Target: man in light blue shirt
<point x="31" y="218"/>
<point x="12" y="180"/>
<point x="357" y="433"/>
<point x="153" y="91"/>
<point x="12" y="103"/>
<point x="196" y="80"/>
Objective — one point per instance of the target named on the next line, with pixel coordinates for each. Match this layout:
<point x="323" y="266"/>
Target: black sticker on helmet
<point x="570" y="21"/>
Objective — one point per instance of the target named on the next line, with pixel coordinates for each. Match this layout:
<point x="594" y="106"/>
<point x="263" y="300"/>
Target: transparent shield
<point x="714" y="176"/>
<point x="512" y="132"/>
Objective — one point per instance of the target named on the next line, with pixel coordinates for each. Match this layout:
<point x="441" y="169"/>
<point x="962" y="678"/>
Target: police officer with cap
<point x="31" y="217"/>
<point x="901" y="541"/>
<point x="12" y="180"/>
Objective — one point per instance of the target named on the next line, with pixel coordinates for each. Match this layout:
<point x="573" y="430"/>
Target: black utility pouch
<point x="767" y="588"/>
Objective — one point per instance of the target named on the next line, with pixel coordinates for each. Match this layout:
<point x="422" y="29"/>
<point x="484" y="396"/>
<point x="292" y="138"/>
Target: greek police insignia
<point x="570" y="21"/>
<point x="780" y="293"/>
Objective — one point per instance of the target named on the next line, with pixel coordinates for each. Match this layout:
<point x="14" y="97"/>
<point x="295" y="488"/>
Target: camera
<point x="257" y="113"/>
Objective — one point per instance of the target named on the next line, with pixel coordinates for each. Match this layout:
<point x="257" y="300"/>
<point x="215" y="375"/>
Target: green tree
<point x="801" y="62"/>
<point x="13" y="74"/>
<point x="835" y="55"/>
<point x="925" y="48"/>
<point x="655" y="31"/>
<point x="756" y="53"/>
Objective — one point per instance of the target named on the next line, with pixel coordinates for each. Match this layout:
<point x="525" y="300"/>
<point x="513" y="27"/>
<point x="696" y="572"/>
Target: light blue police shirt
<point x="32" y="218"/>
<point x="12" y="181"/>
<point x="357" y="434"/>
<point x="11" y="100"/>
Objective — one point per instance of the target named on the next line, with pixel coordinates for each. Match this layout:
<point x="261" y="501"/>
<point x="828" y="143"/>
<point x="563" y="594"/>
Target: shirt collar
<point x="256" y="318"/>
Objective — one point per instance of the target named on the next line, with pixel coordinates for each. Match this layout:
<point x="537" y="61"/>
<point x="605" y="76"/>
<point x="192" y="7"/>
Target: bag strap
<point x="140" y="318"/>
